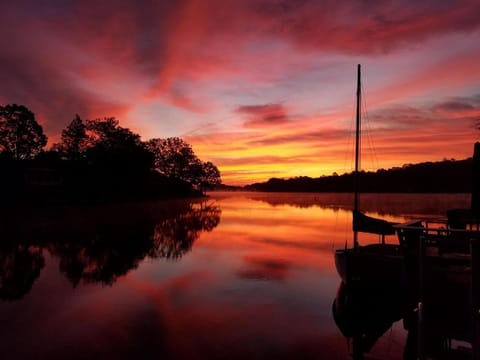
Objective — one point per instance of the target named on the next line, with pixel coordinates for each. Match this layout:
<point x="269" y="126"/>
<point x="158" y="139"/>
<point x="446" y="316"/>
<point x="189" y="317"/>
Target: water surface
<point x="239" y="275"/>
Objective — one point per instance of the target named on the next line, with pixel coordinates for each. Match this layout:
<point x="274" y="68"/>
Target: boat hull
<point x="379" y="265"/>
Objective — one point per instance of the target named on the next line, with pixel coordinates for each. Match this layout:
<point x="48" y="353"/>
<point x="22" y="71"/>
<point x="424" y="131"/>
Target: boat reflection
<point x="441" y="324"/>
<point x="99" y="245"/>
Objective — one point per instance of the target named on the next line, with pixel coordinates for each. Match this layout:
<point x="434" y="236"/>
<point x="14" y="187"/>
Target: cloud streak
<point x="263" y="115"/>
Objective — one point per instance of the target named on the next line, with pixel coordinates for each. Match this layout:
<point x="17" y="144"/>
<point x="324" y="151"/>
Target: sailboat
<point x="378" y="264"/>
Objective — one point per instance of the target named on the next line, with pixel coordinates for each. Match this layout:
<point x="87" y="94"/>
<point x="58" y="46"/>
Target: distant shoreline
<point x="447" y="176"/>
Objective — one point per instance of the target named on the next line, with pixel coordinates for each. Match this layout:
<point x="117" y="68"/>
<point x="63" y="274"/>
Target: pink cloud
<point x="263" y="115"/>
<point x="364" y="27"/>
<point x="161" y="43"/>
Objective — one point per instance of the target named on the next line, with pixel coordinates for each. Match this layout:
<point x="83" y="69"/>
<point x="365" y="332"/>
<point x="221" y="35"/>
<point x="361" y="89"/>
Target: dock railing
<point x="443" y="265"/>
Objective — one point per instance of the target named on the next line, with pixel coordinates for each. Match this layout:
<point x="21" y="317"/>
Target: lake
<point x="235" y="276"/>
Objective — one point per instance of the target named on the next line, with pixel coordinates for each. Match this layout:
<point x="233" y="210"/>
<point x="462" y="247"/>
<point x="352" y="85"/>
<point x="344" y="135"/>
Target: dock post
<point x="420" y="304"/>
<point x="476" y="179"/>
<point x="475" y="288"/>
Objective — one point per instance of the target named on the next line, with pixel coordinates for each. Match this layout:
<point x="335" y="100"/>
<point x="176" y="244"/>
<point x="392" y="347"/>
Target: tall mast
<point x="357" y="159"/>
<point x="357" y="140"/>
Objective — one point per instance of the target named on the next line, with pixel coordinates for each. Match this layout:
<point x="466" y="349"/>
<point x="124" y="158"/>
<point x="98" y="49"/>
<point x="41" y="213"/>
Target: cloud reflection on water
<point x="257" y="284"/>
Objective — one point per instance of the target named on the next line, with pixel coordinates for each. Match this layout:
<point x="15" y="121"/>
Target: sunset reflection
<point x="241" y="275"/>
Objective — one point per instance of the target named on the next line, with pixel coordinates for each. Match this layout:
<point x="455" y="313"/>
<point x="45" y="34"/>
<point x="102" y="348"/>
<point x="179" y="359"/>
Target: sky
<point x="262" y="88"/>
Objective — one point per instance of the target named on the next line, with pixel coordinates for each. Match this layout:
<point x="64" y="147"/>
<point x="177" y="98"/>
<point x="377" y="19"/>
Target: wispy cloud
<point x="263" y="115"/>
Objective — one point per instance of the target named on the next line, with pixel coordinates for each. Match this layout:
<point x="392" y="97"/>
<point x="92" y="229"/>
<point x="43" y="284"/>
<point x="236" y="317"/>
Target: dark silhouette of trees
<point x="103" y="142"/>
<point x="116" y="148"/>
<point x="210" y="176"/>
<point x="446" y="176"/>
<point x="20" y="266"/>
<point x="175" y="158"/>
<point x="74" y="140"/>
<point x="108" y="132"/>
<point x="96" y="161"/>
<point x="21" y="137"/>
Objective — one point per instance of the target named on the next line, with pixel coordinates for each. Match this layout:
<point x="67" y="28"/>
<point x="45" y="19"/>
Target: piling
<point x="476" y="179"/>
<point x="420" y="305"/>
<point x="475" y="288"/>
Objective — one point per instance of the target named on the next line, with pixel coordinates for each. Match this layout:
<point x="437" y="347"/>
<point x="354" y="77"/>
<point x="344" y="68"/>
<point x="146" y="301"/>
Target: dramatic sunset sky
<point x="261" y="88"/>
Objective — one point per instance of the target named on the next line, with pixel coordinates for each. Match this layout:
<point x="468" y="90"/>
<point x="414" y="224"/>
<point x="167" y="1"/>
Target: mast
<point x="357" y="155"/>
<point x="476" y="179"/>
<point x="357" y="139"/>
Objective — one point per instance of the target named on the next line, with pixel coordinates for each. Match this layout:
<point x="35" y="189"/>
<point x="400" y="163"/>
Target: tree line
<point x="447" y="176"/>
<point x="104" y="146"/>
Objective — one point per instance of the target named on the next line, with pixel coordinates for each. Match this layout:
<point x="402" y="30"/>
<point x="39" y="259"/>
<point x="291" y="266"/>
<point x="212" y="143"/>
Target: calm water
<point x="239" y="276"/>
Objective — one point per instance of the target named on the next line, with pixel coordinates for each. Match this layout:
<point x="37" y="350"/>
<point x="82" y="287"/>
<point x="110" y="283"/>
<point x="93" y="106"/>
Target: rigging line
<point x="347" y="230"/>
<point x="373" y="153"/>
<point x="352" y="137"/>
<point x="368" y="128"/>
<point x="350" y="155"/>
<point x="368" y="131"/>
<point x="334" y="242"/>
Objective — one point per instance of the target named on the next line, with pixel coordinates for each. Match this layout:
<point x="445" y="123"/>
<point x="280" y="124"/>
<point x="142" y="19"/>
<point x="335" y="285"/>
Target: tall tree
<point x="116" y="147"/>
<point x="107" y="132"/>
<point x="74" y="140"/>
<point x="210" y="176"/>
<point x="175" y="158"/>
<point x="21" y="137"/>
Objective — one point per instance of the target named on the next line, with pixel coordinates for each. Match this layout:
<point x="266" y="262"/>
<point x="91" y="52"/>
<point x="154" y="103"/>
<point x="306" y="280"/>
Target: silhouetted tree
<point x="109" y="133"/>
<point x="105" y="143"/>
<point x="210" y="176"/>
<point x="21" y="137"/>
<point x="115" y="147"/>
<point x="175" y="158"/>
<point x="74" y="140"/>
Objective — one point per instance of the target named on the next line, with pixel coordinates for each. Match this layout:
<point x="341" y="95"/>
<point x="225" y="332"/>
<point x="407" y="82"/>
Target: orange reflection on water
<point x="253" y="229"/>
<point x="298" y="230"/>
<point x="242" y="275"/>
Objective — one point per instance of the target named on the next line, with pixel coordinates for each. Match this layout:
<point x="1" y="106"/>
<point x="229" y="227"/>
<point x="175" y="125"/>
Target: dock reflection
<point x="441" y="323"/>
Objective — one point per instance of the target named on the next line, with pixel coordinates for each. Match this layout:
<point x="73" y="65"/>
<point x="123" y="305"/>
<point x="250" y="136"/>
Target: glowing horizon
<point x="262" y="88"/>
